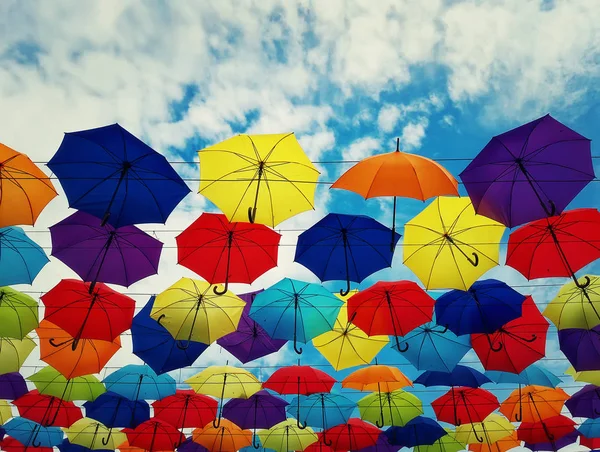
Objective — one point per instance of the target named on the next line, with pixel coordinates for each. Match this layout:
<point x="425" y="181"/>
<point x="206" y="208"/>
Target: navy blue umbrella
<point x="66" y="446"/>
<point x="116" y="177"/>
<point x="114" y="410"/>
<point x="347" y="248"/>
<point x="156" y="346"/>
<point x="420" y="431"/>
<point x="459" y="376"/>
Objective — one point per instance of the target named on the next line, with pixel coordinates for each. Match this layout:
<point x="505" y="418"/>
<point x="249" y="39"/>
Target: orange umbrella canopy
<point x="534" y="403"/>
<point x="228" y="437"/>
<point x="376" y="378"/>
<point x="501" y="445"/>
<point x="24" y="188"/>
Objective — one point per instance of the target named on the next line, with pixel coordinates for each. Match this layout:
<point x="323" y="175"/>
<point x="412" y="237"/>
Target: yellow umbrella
<point x="493" y="428"/>
<point x="94" y="435"/>
<point x="586" y="376"/>
<point x="449" y="246"/>
<point x="576" y="307"/>
<point x="191" y="311"/>
<point x="258" y="178"/>
<point x="13" y="353"/>
<point x="5" y="411"/>
<point x="287" y="436"/>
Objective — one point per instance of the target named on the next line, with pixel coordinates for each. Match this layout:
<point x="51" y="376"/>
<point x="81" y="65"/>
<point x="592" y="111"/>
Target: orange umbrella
<point x="376" y="378"/>
<point x="228" y="437"/>
<point x="398" y="174"/>
<point x="501" y="445"/>
<point x="534" y="403"/>
<point x="24" y="188"/>
<point x="125" y="447"/>
<point x="89" y="357"/>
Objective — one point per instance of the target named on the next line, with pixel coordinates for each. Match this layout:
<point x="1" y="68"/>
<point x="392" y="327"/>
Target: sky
<point x="347" y="76"/>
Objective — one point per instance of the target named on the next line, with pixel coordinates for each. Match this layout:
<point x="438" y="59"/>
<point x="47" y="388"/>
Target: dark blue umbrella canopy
<point x="459" y="376"/>
<point x="114" y="410"/>
<point x="420" y="431"/>
<point x="66" y="446"/>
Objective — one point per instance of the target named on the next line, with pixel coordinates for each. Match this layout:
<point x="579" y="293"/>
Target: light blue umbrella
<point x="21" y="259"/>
<point x="295" y="310"/>
<point x="32" y="434"/>
<point x="590" y="428"/>
<point x="137" y="382"/>
<point x="433" y="347"/>
<point x="532" y="375"/>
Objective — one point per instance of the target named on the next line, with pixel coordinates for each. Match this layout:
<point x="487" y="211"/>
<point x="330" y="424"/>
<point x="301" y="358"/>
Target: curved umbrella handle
<point x="445" y="330"/>
<point x="474" y="262"/>
<point x="35" y="444"/>
<point x="345" y="291"/>
<point x="160" y="317"/>
<point x="402" y="349"/>
<point x="221" y="292"/>
<point x="379" y="423"/>
<point x="587" y="282"/>
<point x="596" y="411"/>
<point x="106" y="440"/>
<point x="519" y="415"/>
<point x="479" y="438"/>
<point x="180" y="345"/>
<point x="326" y="441"/>
<point x="251" y="214"/>
<point x="55" y="344"/>
<point x="255" y="442"/>
<point x="532" y="339"/>
<point x="498" y="348"/>
<point x="217" y="422"/>
<point x="552" y="208"/>
<point x="300" y="425"/>
<point x="297" y="349"/>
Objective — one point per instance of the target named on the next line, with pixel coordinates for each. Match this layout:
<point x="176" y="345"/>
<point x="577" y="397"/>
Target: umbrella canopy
<point x="299" y="380"/>
<point x="382" y="445"/>
<point x="417" y="432"/>
<point x="13" y="353"/>
<point x="186" y="409"/>
<point x="30" y="433"/>
<point x="50" y="381"/>
<point x="492" y="429"/>
<point x="532" y="375"/>
<point x="347" y="248"/>
<point x="114" y="176"/>
<point x="67" y="446"/>
<point x="104" y="253"/>
<point x="12" y="386"/>
<point x="390" y="408"/>
<point x="12" y="445"/>
<point x="459" y="376"/>
<point x="139" y="382"/>
<point x="581" y="347"/>
<point x="260" y="410"/>
<point x="590" y="428"/>
<point x="353" y="435"/>
<point x="21" y="259"/>
<point x="261" y="178"/>
<point x="191" y="311"/>
<point x="547" y="431"/>
<point x="502" y="445"/>
<point x="5" y="411"/>
<point x="576" y="307"/>
<point x="154" y="435"/>
<point x="585" y="402"/>
<point x="446" y="443"/>
<point x="322" y="410"/>
<point x="286" y="436"/>
<point x="448" y="246"/>
<point x="228" y="437"/>
<point x="224" y="252"/>
<point x="376" y="377"/>
<point x="47" y="410"/>
<point x="114" y="410"/>
<point x="587" y="376"/>
<point x="18" y="313"/>
<point x="433" y="348"/>
<point x="463" y="405"/>
<point x="190" y="446"/>
<point x="295" y="310"/>
<point x="534" y="403"/>
<point x="567" y="440"/>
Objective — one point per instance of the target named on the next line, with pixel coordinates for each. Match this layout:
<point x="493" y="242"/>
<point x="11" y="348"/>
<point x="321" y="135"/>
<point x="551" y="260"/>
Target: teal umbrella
<point x="532" y="375"/>
<point x="21" y="259"/>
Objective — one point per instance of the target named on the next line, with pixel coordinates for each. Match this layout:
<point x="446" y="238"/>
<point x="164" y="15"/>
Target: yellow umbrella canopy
<point x="449" y="246"/>
<point x="390" y="408"/>
<point x="5" y="411"/>
<point x="92" y="434"/>
<point x="586" y="376"/>
<point x="18" y="313"/>
<point x="13" y="353"/>
<point x="225" y="382"/>
<point x="493" y="428"/>
<point x="287" y="436"/>
<point x="576" y="307"/>
<point x="191" y="311"/>
<point x="258" y="178"/>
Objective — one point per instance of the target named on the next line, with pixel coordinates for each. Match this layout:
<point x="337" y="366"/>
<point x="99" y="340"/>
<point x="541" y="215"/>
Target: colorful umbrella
<point x="139" y="382"/>
<point x="154" y="435"/>
<point x="462" y="405"/>
<point x="567" y="440"/>
<point x="67" y="446"/>
<point x="581" y="347"/>
<point x="447" y="443"/>
<point x="590" y="428"/>
<point x="382" y="445"/>
<point x="491" y="430"/>
<point x="502" y="445"/>
<point x="585" y="402"/>
<point x="12" y="445"/>
<point x="94" y="435"/>
<point x="295" y="310"/>
<point x="224" y="252"/>
<point x="186" y="409"/>
<point x="50" y="381"/>
<point x="190" y="446"/>
<point x="459" y="376"/>
<point x="114" y="410"/>
<point x="114" y="176"/>
<point x="13" y="353"/>
<point x="47" y="410"/>
<point x="390" y="408"/>
<point x="227" y="437"/>
<point x="18" y="313"/>
<point x="376" y="377"/>
<point x="575" y="307"/>
<point x="21" y="259"/>
<point x="347" y="248"/>
<point x="353" y="435"/>
<point x="448" y="246"/>
<point x="417" y="432"/>
<point x="31" y="433"/>
<point x="12" y="386"/>
<point x="534" y="403"/>
<point x="5" y="412"/>
<point x="191" y="311"/>
<point x="286" y="436"/>
<point x="547" y="430"/>
<point x="587" y="376"/>
<point x="261" y="178"/>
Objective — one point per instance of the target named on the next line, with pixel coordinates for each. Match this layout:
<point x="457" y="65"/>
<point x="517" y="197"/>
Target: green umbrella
<point x="13" y="352"/>
<point x="398" y="407"/>
<point x="50" y="381"/>
<point x="18" y="313"/>
<point x="447" y="443"/>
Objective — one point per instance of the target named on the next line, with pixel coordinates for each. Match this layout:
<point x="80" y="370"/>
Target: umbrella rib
<point x="292" y="183"/>
<point x="266" y="178"/>
<point x="274" y="146"/>
<point x="18" y="184"/>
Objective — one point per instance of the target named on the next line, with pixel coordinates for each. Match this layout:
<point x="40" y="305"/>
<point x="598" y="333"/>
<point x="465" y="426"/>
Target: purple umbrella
<point x="102" y="253"/>
<point x="566" y="440"/>
<point x="12" y="386"/>
<point x="528" y="173"/>
<point x="382" y="445"/>
<point x="261" y="410"/>
<point x="581" y="347"/>
<point x="190" y="446"/>
<point x="585" y="402"/>
<point x="250" y="341"/>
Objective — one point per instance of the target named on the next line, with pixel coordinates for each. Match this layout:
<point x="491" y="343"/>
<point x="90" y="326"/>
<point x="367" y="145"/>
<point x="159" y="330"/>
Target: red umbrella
<point x="9" y="444"/>
<point x="356" y="434"/>
<point x="546" y="431"/>
<point x="103" y="314"/>
<point x="463" y="405"/>
<point x="223" y="252"/>
<point x="47" y="410"/>
<point x="516" y="345"/>
<point x="154" y="435"/>
<point x="319" y="446"/>
<point x="556" y="246"/>
<point x="592" y="443"/>
<point x="186" y="409"/>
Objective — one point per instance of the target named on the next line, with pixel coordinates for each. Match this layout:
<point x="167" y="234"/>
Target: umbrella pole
<point x="548" y="434"/>
<point x="114" y="418"/>
<point x="111" y="237"/>
<point x="570" y="270"/>
<point x="217" y="422"/>
<point x="252" y="210"/>
<point x="300" y="426"/>
<point x="552" y="211"/>
<point x="393" y="226"/>
<point x="464" y="400"/>
<point x="296" y="307"/>
<point x="255" y="444"/>
<point x="137" y="395"/>
<point x="75" y="340"/>
<point x="151" y="448"/>
<point x="345" y="292"/>
<point x="226" y="285"/>
<point x="473" y="261"/>
<point x="389" y="399"/>
<point x="456" y="419"/>
<point x="325" y="440"/>
<point x="389" y="303"/>
<point x="105" y="218"/>
<point x="519" y="415"/>
<point x="377" y="423"/>
<point x="184" y="345"/>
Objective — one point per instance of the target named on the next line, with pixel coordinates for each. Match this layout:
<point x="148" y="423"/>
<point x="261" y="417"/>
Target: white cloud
<point x="413" y="134"/>
<point x="388" y="117"/>
<point x="361" y="148"/>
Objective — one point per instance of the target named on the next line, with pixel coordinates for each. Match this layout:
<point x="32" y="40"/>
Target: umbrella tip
<point x="397" y="144"/>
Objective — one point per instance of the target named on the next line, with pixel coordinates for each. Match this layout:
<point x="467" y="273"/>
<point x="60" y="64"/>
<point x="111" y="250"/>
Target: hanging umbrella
<point x="139" y="383"/>
<point x="376" y="377"/>
<point x="13" y="353"/>
<point x="31" y="433"/>
<point x="18" y="313"/>
<point x="47" y="410"/>
<point x="125" y="447"/>
<point x="224" y="252"/>
<point x="390" y="308"/>
<point x="567" y="440"/>
<point x="99" y="314"/>
<point x="286" y="436"/>
<point x="186" y="409"/>
<point x="295" y="310"/>
<point x="390" y="408"/>
<point x="12" y="386"/>
<point x="463" y="405"/>
<point x="460" y="376"/>
<point x="347" y="248"/>
<point x="190" y="446"/>
<point x="260" y="178"/>
<point x="249" y="341"/>
<point x="103" y="253"/>
<point x="94" y="435"/>
<point x="446" y="443"/>
<point x="21" y="259"/>
<point x="113" y="175"/>
<point x="484" y="308"/>
<point x="585" y="402"/>
<point x="398" y="174"/>
<point x="528" y="173"/>
<point x="191" y="311"/>
<point x="382" y="445"/>
<point x="154" y="435"/>
<point x="319" y="446"/>
<point x="154" y="345"/>
<point x="586" y="376"/>
<point x="433" y="348"/>
<point x="5" y="412"/>
<point x="546" y="431"/>
<point x="417" y="432"/>
<point x="50" y="381"/>
<point x="590" y="428"/>
<point x="67" y="446"/>
<point x="353" y="435"/>
<point x="12" y="445"/>
<point x="581" y="347"/>
<point x="115" y="411"/>
<point x="448" y="246"/>
<point x="89" y="357"/>
<point x="534" y="403"/>
<point x="491" y="430"/>
<point x="227" y="437"/>
<point x="592" y="443"/>
<point x="531" y="375"/>
<point x="574" y="307"/>
<point x="502" y="445"/>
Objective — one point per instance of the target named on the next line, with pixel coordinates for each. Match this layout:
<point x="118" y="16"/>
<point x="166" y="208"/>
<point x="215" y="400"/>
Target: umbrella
<point x="462" y="405"/>
<point x="345" y="248"/>
<point x="353" y="435"/>
<point x="18" y="313"/>
<point x="227" y="437"/>
<point x="532" y="375"/>
<point x="31" y="433"/>
<point x="567" y="440"/>
<point x="113" y="175"/>
<point x="154" y="345"/>
<point x="12" y="386"/>
<point x="21" y="259"/>
<point x="417" y="432"/>
<point x="186" y="409"/>
<point x="590" y="428"/>
<point x="390" y="308"/>
<point x="249" y="341"/>
<point x="67" y="446"/>
<point x="89" y="357"/>
<point x="381" y="445"/>
<point x="191" y="311"/>
<point x="585" y="402"/>
<point x="12" y="445"/>
<point x="102" y="314"/>
<point x="261" y="178"/>
<point x="534" y="403"/>
<point x="139" y="382"/>
<point x="190" y="446"/>
<point x="587" y="376"/>
<point x="50" y="381"/>
<point x="224" y="252"/>
<point x="5" y="411"/>
<point x="484" y="308"/>
<point x="94" y="435"/>
<point x="502" y="445"/>
<point x="115" y="411"/>
<point x="515" y="345"/>
<point x="398" y="174"/>
<point x="286" y="436"/>
<point x="13" y="353"/>
<point x="319" y="446"/>
<point x="459" y="376"/>
<point x="527" y="173"/>
<point x="547" y="430"/>
<point x="492" y="429"/>
<point x="448" y="246"/>
<point x="581" y="347"/>
<point x="390" y="408"/>
<point x="433" y="348"/>
<point x="224" y="382"/>
<point x="154" y="435"/>
<point x="376" y="377"/>
<point x="295" y="310"/>
<point x="103" y="253"/>
<point x="575" y="307"/>
<point x="47" y="410"/>
<point x="447" y="443"/>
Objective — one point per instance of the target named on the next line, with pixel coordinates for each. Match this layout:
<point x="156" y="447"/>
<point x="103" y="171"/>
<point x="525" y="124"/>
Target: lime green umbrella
<point x="5" y="412"/>
<point x="50" y="381"/>
<point x="13" y="352"/>
<point x="94" y="435"/>
<point x="447" y="443"/>
<point x="396" y="407"/>
<point x="18" y="313"/>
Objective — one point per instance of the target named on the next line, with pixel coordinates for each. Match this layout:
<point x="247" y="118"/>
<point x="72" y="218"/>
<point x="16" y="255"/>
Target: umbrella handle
<point x="479" y="438"/>
<point x="327" y="442"/>
<point x="300" y="425"/>
<point x="519" y="416"/>
<point x="251" y="214"/>
<point x="34" y="443"/>
<point x="180" y="345"/>
<point x="345" y="291"/>
<point x="402" y="349"/>
<point x="255" y="444"/>
<point x="596" y="411"/>
<point x="160" y="317"/>
<point x="379" y="423"/>
<point x="552" y="208"/>
<point x="221" y="292"/>
<point x="106" y="440"/>
<point x="55" y="344"/>
<point x="475" y="261"/>
<point x="216" y="422"/>
<point x="587" y="282"/>
<point x="496" y="349"/>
